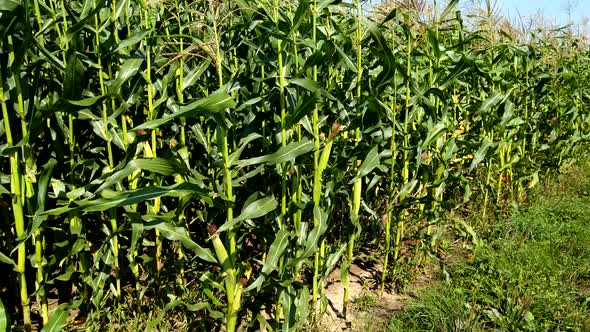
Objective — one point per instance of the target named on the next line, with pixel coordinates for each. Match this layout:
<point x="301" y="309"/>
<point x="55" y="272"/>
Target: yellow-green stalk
<point x="317" y="180"/>
<point x="233" y="288"/>
<point x="27" y="191"/>
<point x="389" y="204"/>
<point x="488" y="180"/>
<point x="399" y="234"/>
<point x="112" y="212"/>
<point x="298" y="188"/>
<point x="154" y="141"/>
<point x="17" y="202"/>
<point x="283" y="111"/>
<point x="357" y="185"/>
<point x="180" y="96"/>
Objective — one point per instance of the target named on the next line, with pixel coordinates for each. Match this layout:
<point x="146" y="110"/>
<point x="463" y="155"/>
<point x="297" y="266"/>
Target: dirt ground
<point x="368" y="308"/>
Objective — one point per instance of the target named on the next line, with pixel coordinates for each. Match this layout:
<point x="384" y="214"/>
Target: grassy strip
<point x="531" y="274"/>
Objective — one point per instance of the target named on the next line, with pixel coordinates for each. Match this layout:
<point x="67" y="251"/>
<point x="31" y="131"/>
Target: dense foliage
<point x="235" y="150"/>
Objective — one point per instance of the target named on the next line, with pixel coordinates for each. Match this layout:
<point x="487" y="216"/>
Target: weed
<point x="530" y="275"/>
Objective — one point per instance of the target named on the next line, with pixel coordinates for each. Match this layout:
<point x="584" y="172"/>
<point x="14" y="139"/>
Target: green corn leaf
<point x="325" y="157"/>
<point x="161" y="166"/>
<point x="90" y="9"/>
<point x="369" y="164"/>
<point x="144" y="194"/>
<point x="384" y="52"/>
<point x="87" y="102"/>
<point x="191" y="77"/>
<point x="9" y="5"/>
<point x="288" y="297"/>
<point x="173" y="233"/>
<point x="515" y="122"/>
<point x="406" y="189"/>
<point x="200" y="136"/>
<point x="73" y="77"/>
<point x="508" y="113"/>
<point x="381" y="107"/>
<point x="322" y="4"/>
<point x="248" y="103"/>
<point x="346" y="59"/>
<point x="436" y="92"/>
<point x="284" y="154"/>
<point x="133" y="197"/>
<point x="129" y="69"/>
<point x="451" y="6"/>
<point x="6" y="260"/>
<point x="75" y="84"/>
<point x="300" y="14"/>
<point x="136" y="232"/>
<point x="461" y="67"/>
<point x="275" y="252"/>
<point x="434" y="43"/>
<point x="133" y="39"/>
<point x="50" y="56"/>
<point x="86" y="8"/>
<point x="122" y="5"/>
<point x="392" y="14"/>
<point x="214" y="103"/>
<point x="3" y="318"/>
<point x="207" y="280"/>
<point x="450" y="149"/>
<point x="236" y="182"/>
<point x="304" y="107"/>
<point x="534" y="180"/>
<point x="490" y="102"/>
<point x="433" y="134"/>
<point x="302" y="305"/>
<point x="252" y="210"/>
<point x="38" y="217"/>
<point x="258" y="208"/>
<point x="312" y="241"/>
<point x="480" y="154"/>
<point x="331" y="261"/>
<point x="305" y="83"/>
<point x="57" y="321"/>
<point x="44" y="183"/>
<point x="235" y="156"/>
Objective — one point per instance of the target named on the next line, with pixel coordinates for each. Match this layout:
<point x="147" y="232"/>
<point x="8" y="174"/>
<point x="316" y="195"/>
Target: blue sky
<point x="552" y="9"/>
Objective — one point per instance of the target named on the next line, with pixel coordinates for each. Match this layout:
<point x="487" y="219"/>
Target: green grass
<point x="531" y="274"/>
<point x="365" y="301"/>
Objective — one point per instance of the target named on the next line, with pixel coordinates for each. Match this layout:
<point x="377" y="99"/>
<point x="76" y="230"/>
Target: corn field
<point x="227" y="156"/>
